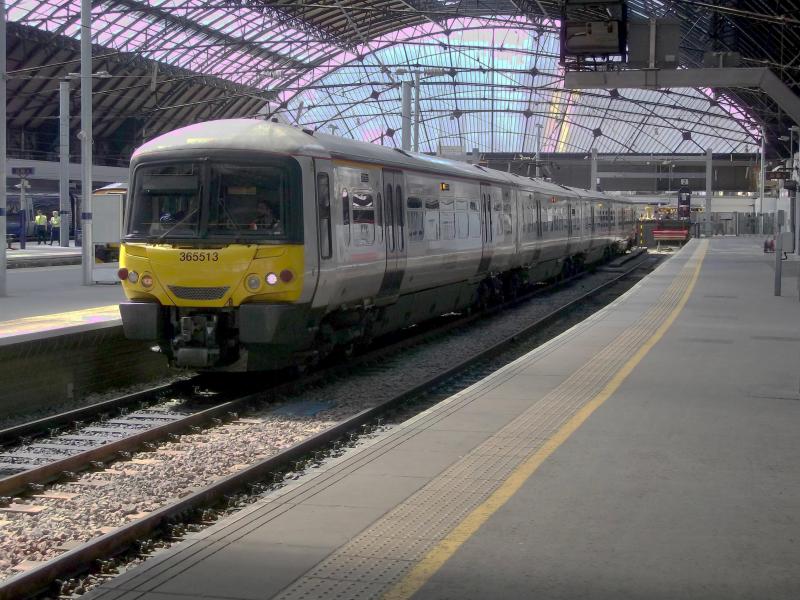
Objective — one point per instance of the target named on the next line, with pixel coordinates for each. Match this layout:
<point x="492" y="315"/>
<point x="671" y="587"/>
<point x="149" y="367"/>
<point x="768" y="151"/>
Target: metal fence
<point x="737" y="223"/>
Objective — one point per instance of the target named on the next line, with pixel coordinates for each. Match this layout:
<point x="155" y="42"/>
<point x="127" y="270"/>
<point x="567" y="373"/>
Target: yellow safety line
<point x="58" y="320"/>
<point x="445" y="549"/>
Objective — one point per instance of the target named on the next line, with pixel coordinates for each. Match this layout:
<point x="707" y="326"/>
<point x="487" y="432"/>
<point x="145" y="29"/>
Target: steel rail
<point x="19" y="483"/>
<point x="39" y="427"/>
<point x="79" y="559"/>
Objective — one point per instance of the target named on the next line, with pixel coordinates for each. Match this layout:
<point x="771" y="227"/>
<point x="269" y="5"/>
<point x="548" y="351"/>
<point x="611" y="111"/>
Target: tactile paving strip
<point x="374" y="561"/>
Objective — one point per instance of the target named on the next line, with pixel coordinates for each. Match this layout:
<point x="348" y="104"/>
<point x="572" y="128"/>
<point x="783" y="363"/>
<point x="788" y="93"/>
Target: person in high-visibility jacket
<point x="40" y="222"/>
<point x="55" y="227"/>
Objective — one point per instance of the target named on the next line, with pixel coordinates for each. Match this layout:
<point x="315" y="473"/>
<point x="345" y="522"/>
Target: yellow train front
<point x="213" y="261"/>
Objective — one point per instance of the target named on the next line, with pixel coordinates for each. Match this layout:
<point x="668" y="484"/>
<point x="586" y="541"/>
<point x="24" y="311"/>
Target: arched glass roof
<point x="492" y="84"/>
<point x="243" y="45"/>
<point x="502" y="78"/>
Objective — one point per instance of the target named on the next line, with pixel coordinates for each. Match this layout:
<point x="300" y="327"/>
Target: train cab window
<point x="248" y="200"/>
<point x="324" y="212"/>
<point x="346" y="216"/>
<point x="166" y="200"/>
<point x="216" y="200"/>
<point x="363" y="218"/>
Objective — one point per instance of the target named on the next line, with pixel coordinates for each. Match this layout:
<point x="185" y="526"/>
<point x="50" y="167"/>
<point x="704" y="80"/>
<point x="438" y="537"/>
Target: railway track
<point x="83" y="557"/>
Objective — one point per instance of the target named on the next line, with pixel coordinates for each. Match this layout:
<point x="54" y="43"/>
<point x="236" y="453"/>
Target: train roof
<point x="253" y="135"/>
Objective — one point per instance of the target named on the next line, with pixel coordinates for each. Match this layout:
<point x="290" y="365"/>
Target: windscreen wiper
<point x="171" y="229"/>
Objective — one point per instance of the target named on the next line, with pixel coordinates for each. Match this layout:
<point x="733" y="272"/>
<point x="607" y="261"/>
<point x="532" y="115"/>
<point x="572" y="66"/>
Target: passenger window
<point x="431" y="224"/>
<point x="363" y="218"/>
<point x="324" y="211"/>
<point x="416" y="219"/>
<point x="462" y="225"/>
<point x="346" y="215"/>
<point x="448" y="225"/>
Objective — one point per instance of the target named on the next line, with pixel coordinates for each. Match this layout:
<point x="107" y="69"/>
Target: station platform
<point x="648" y="452"/>
<point x="45" y="255"/>
<point x="61" y="341"/>
<point x="48" y="301"/>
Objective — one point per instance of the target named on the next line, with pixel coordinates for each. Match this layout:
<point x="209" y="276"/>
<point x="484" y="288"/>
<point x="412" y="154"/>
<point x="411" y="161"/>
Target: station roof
<point x="340" y="59"/>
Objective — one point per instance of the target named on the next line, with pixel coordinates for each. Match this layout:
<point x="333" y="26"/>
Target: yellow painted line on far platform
<point x="27" y="325"/>
<point x="446" y="548"/>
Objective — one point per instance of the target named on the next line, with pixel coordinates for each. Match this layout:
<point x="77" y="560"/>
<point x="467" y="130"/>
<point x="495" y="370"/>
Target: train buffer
<point x="670" y="235"/>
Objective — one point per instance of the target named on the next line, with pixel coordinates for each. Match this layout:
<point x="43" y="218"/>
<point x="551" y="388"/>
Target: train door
<point x="323" y="263"/>
<point x="487" y="228"/>
<point x="394" y="232"/>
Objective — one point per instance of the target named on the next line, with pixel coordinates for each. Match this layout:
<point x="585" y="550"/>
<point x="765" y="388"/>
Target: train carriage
<point x="254" y="245"/>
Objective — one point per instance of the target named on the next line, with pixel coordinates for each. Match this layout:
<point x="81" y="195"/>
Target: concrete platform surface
<point x="45" y="299"/>
<point x="648" y="452"/>
<point x="45" y="255"/>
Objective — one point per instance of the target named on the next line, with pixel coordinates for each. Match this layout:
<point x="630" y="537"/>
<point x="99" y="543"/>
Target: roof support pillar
<point x="406" y="116"/>
<point x="709" y="192"/>
<point x="63" y="165"/>
<point x="87" y="258"/>
<point x="417" y="91"/>
<point x="3" y="147"/>
<point x="593" y="171"/>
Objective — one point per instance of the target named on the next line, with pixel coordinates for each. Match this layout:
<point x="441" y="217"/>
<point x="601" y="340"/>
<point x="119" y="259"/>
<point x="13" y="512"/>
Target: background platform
<point x="35" y="255"/>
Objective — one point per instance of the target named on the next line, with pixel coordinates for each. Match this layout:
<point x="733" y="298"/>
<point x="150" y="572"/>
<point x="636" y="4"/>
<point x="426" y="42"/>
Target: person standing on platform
<point x="55" y="227"/>
<point x="40" y="223"/>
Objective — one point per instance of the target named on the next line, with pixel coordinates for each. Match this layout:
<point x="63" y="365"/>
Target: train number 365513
<point x="199" y="256"/>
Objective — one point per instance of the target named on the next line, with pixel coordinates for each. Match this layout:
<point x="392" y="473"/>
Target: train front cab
<point x="216" y="260"/>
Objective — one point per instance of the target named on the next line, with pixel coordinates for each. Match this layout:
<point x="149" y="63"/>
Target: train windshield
<point x="248" y="201"/>
<point x="166" y="201"/>
<point x="220" y="201"/>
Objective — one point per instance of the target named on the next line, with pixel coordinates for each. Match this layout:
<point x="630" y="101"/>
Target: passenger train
<point x="252" y="245"/>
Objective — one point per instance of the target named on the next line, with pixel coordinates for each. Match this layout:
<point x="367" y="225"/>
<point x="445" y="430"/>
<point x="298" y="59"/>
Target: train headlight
<point x="147" y="281"/>
<point x="286" y="276"/>
<point x="253" y="282"/>
<point x="133" y="276"/>
<point x="271" y="278"/>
